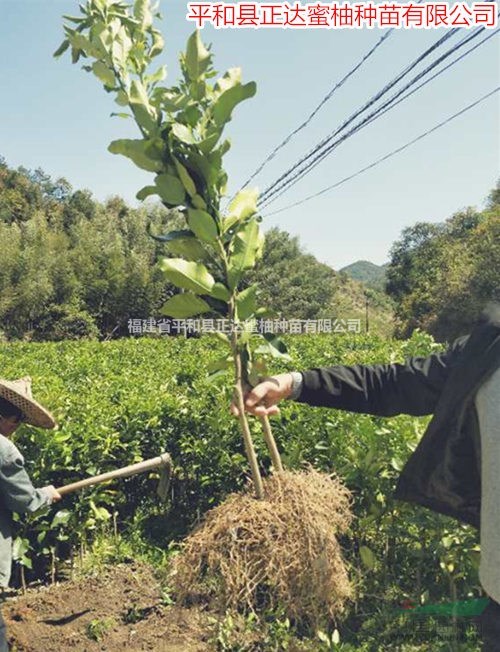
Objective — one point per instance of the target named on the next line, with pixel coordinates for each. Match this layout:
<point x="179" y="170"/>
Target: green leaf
<point x="105" y="74"/>
<point x="74" y="19"/>
<point x="273" y="346"/>
<point x="221" y="336"/>
<point x="61" y="517"/>
<point x="397" y="463"/>
<point x="277" y="343"/>
<point x="147" y="191"/>
<point x="447" y="541"/>
<point x="207" y="145"/>
<point x="242" y="206"/>
<point x="187" y="182"/>
<point x="170" y="236"/>
<point x="157" y="76"/>
<point x="121" y="98"/>
<point x="183" y="133"/>
<point x="367" y="557"/>
<point x="220" y="291"/>
<point x="185" y="305"/>
<point x="231" y="78"/>
<point x="182" y="243"/>
<point x="246" y="248"/>
<point x="246" y="303"/>
<point x="202" y="225"/>
<point x="20" y="547"/>
<point x="121" y="46"/>
<point x="188" y="248"/>
<point x="155" y="149"/>
<point x="323" y="637"/>
<point x="138" y="151"/>
<point x="191" y="115"/>
<point x="199" y="202"/>
<point x="188" y="275"/>
<point x="157" y="44"/>
<point x="198" y="90"/>
<point x="100" y="513"/>
<point x="80" y="42"/>
<point x="226" y="102"/>
<point x="218" y="365"/>
<point x="214" y="376"/>
<point x="61" y="49"/>
<point x="145" y="114"/>
<point x="224" y="147"/>
<point x="197" y="57"/>
<point x="142" y="12"/>
<point x="120" y="115"/>
<point x="26" y="561"/>
<point x="170" y="189"/>
<point x="201" y="166"/>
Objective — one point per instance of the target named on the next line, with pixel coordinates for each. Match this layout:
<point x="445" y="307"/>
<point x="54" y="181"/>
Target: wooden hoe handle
<point x="160" y="461"/>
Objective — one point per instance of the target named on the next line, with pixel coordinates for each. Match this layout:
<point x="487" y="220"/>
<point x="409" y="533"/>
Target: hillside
<point x="75" y="267"/>
<point x="372" y="307"/>
<point x="368" y="273"/>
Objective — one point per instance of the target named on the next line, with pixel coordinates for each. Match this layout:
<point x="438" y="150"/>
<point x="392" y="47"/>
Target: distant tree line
<point x="74" y="267"/>
<point x="71" y="266"/>
<point x="441" y="276"/>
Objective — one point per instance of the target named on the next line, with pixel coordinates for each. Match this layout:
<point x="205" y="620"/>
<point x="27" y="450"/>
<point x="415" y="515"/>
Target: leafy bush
<point x="65" y="322"/>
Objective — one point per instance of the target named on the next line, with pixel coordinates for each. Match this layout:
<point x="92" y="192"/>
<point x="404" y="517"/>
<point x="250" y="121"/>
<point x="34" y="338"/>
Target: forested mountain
<point x="374" y="276"/>
<point x="74" y="267"/>
<point x="441" y="276"/>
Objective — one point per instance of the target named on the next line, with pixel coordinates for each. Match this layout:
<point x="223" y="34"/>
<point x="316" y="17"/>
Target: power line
<point x="365" y="107"/>
<point x="277" y="189"/>
<point x="390" y="104"/>
<point x="449" y="65"/>
<point x="327" y="97"/>
<point x="390" y="154"/>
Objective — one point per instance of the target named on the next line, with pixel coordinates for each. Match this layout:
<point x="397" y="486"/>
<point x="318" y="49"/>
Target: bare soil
<point x="121" y="607"/>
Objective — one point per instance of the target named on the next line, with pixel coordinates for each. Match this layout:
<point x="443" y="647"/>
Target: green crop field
<point x="123" y="401"/>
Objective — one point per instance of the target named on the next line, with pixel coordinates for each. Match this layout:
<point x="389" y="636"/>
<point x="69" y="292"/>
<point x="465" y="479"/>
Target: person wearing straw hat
<point x="17" y="493"/>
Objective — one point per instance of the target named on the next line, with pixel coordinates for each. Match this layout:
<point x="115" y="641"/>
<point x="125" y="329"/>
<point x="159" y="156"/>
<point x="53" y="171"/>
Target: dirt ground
<point x="119" y="609"/>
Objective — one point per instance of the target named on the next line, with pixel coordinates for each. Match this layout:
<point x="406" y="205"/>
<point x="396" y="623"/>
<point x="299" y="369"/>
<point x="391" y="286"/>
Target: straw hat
<point x="18" y="392"/>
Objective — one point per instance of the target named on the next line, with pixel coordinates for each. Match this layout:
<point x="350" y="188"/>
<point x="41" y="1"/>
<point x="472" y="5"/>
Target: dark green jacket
<point x="444" y="471"/>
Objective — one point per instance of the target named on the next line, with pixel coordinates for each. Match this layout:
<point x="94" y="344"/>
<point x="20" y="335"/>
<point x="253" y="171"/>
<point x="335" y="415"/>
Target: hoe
<point x="162" y="462"/>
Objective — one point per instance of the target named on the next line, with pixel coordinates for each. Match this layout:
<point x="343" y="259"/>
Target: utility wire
<point x="379" y="112"/>
<point x="277" y="190"/>
<point x="365" y="107"/>
<point x="449" y="65"/>
<point x="318" y="107"/>
<point x="393" y="153"/>
<point x="323" y="143"/>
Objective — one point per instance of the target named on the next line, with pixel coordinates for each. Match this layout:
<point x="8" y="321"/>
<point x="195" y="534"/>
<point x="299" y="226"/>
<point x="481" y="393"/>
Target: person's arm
<point x="412" y="388"/>
<point x="17" y="491"/>
<point x="383" y="390"/>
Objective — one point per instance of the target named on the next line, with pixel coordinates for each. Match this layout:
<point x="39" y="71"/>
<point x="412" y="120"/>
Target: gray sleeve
<point x="17" y="492"/>
<point x="297" y="384"/>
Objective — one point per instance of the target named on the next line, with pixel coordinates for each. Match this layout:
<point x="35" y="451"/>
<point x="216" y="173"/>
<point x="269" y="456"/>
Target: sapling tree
<point x="181" y="142"/>
<point x="280" y="551"/>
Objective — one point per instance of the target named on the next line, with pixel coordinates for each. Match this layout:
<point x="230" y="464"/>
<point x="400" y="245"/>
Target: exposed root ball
<point x="282" y="551"/>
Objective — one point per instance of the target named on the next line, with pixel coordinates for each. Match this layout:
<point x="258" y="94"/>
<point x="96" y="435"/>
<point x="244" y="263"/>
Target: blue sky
<point x="55" y="116"/>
